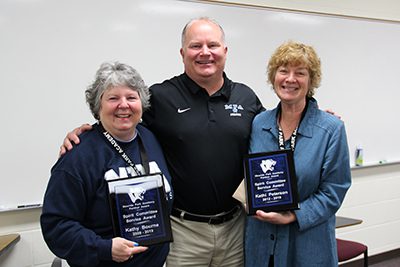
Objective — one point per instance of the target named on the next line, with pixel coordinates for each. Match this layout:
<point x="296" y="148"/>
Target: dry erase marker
<point x="28" y="206"/>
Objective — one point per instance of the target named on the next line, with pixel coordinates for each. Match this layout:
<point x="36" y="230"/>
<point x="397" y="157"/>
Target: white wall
<point x="383" y="9"/>
<point x="374" y="196"/>
<point x="31" y="250"/>
<point x="59" y="65"/>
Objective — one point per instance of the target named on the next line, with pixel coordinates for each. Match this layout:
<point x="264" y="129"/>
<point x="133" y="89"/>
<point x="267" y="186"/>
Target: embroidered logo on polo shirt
<point x="236" y="108"/>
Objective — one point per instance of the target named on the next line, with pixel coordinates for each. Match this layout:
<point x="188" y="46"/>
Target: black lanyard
<point x="282" y="141"/>
<point x="143" y="156"/>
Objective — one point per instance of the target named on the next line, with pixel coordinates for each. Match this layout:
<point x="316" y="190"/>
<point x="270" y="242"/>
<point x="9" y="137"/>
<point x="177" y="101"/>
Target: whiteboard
<point x="50" y="50"/>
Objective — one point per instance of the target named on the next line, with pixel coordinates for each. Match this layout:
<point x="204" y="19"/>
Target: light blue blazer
<point x="323" y="177"/>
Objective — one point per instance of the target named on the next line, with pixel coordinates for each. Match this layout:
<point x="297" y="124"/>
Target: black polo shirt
<point x="204" y="139"/>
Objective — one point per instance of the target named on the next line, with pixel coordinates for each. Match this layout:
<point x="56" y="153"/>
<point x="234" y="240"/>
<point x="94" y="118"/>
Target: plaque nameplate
<point x="270" y="182"/>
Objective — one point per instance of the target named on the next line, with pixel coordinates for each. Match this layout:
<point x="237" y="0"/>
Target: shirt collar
<point x="224" y="91"/>
<point x="305" y="128"/>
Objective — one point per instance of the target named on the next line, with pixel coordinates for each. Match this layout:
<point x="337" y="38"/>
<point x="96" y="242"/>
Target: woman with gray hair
<point x="76" y="220"/>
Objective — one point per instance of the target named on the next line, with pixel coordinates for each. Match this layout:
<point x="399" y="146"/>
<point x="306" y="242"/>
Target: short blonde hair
<point x="294" y="54"/>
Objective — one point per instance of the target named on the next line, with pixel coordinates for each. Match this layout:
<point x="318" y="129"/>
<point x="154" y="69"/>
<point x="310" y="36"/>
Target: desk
<point x="7" y="242"/>
<point x="345" y="221"/>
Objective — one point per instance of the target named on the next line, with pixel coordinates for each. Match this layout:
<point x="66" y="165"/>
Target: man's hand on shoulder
<point x="333" y="113"/>
<point x="73" y="137"/>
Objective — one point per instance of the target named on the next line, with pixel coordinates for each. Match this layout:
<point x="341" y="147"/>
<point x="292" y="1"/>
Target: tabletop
<point x="346" y="221"/>
<point x="7" y="242"/>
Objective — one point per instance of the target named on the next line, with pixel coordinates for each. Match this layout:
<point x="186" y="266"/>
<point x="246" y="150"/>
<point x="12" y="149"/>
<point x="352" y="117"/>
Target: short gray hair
<point x="112" y="74"/>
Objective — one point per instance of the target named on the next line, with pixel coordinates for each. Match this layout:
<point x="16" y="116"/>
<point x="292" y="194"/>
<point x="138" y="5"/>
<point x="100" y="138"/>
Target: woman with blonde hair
<point x="303" y="237"/>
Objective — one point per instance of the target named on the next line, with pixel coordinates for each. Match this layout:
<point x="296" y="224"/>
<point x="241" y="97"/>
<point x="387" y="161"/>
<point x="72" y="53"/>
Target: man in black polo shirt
<point x="203" y="121"/>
